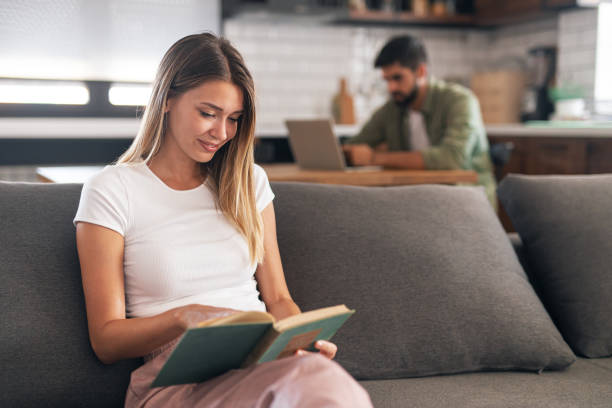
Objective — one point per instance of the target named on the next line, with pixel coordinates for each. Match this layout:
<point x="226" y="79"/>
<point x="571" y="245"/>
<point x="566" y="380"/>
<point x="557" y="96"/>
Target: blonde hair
<point x="189" y="63"/>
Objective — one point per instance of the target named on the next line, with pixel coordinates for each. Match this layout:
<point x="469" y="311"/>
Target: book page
<point x="239" y="318"/>
<point x="311" y="316"/>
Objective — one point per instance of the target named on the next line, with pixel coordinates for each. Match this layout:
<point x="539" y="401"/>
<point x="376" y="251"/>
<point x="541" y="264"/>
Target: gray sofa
<point x="446" y="314"/>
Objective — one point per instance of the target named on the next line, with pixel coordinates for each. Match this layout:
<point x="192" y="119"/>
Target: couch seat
<point x="584" y="383"/>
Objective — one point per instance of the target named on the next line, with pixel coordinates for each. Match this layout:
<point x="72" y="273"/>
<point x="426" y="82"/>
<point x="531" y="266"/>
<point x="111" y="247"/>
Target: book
<point x="242" y="339"/>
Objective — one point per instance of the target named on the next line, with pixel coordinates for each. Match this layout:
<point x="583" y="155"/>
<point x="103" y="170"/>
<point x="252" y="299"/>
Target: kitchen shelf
<point x="370" y="17"/>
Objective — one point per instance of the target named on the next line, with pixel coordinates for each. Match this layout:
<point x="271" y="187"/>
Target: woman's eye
<point x="207" y="115"/>
<point x="235" y="120"/>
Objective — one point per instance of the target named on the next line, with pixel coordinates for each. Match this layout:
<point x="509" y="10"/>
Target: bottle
<point x="420" y="8"/>
<point x="438" y="8"/>
<point x="342" y="106"/>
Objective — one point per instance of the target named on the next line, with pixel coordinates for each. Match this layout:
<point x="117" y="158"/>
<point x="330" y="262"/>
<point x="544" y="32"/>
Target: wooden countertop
<point x="576" y="131"/>
<point x="289" y="172"/>
<point x="366" y="177"/>
<point x="126" y="128"/>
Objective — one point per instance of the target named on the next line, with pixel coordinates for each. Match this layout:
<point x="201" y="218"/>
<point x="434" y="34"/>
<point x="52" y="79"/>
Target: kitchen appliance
<point x="541" y="66"/>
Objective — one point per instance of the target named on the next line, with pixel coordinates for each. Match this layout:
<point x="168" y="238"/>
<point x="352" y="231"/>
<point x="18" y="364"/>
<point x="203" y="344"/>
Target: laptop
<point x="315" y="146"/>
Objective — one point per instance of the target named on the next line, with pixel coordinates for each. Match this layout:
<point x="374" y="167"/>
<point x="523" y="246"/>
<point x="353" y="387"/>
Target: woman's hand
<point x="326" y="349"/>
<point x="192" y="315"/>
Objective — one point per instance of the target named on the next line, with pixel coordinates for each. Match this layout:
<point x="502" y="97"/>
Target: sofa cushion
<point x="431" y="273"/>
<point x="565" y="223"/>
<point x="584" y="384"/>
<point x="44" y="347"/>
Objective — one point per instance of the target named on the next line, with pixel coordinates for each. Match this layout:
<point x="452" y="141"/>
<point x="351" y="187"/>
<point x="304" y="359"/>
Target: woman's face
<point x="204" y="118"/>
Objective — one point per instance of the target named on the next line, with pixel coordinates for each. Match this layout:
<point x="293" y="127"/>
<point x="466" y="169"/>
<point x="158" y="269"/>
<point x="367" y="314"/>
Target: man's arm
<point x="463" y="128"/>
<point x="364" y="155"/>
<point x="454" y="152"/>
<point x="400" y="160"/>
<point x="373" y="132"/>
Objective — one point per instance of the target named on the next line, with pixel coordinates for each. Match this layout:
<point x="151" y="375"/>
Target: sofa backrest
<point x="44" y="347"/>
<point x="45" y="353"/>
<point x="436" y="284"/>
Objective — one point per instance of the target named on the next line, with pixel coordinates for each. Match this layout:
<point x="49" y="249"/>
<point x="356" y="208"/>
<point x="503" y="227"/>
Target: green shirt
<point x="454" y="128"/>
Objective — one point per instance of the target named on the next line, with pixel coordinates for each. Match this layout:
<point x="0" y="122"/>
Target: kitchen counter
<point x="540" y="148"/>
<point x="109" y="128"/>
<point x="122" y="128"/>
<point x="284" y="172"/>
<point x="68" y="128"/>
<point x="547" y="149"/>
<point x="552" y="129"/>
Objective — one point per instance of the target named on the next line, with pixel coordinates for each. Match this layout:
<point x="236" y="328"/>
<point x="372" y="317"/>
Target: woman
<point x="182" y="230"/>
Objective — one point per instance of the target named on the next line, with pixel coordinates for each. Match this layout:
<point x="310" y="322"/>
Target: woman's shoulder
<point x="112" y="172"/>
<point x="260" y="177"/>
<point x="259" y="172"/>
<point x="113" y="176"/>
<point x="263" y="191"/>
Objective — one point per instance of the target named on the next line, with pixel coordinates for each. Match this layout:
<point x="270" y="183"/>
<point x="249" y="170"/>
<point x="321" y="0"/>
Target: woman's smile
<point x="209" y="147"/>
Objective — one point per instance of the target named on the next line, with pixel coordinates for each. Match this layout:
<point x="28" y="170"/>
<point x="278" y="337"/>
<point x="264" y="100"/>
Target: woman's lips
<point x="209" y="147"/>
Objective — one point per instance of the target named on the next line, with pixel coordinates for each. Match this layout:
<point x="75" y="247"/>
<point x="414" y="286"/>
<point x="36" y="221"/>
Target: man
<point x="427" y="123"/>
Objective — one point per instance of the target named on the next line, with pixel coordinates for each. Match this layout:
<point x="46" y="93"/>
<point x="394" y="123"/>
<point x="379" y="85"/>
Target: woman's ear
<point x="169" y="104"/>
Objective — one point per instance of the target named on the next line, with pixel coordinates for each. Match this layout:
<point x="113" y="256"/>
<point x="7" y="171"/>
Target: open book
<point x="246" y="338"/>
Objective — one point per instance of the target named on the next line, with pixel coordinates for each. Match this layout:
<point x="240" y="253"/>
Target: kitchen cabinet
<point x="540" y="155"/>
<point x="495" y="12"/>
<point x="599" y="156"/>
<point x="557" y="155"/>
<point x="488" y="13"/>
<point x="559" y="4"/>
<point x="495" y="9"/>
<point x="469" y="13"/>
<point x="375" y="17"/>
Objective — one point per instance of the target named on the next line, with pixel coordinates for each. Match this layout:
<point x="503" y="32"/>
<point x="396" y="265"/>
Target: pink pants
<point x="298" y="381"/>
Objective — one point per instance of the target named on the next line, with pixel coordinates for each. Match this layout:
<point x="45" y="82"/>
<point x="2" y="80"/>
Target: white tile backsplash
<point x="577" y="42"/>
<point x="297" y="64"/>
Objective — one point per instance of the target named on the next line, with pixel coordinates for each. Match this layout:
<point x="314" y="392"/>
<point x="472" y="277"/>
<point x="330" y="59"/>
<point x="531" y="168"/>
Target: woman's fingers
<point x="192" y="315"/>
<point x="326" y="348"/>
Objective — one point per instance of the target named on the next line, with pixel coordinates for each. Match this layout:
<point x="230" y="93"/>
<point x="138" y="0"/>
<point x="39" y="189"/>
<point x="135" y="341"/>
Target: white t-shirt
<point x="417" y="132"/>
<point x="178" y="248"/>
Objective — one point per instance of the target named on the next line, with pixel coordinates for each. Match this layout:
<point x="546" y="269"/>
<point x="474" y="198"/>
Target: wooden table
<point x="363" y="177"/>
<point x="289" y="172"/>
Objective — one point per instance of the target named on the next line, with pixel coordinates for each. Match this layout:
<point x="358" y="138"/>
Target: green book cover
<point x="243" y="339"/>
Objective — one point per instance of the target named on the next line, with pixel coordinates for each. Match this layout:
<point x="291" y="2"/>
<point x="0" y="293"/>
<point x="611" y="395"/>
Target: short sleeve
<point x="104" y="201"/>
<point x="263" y="191"/>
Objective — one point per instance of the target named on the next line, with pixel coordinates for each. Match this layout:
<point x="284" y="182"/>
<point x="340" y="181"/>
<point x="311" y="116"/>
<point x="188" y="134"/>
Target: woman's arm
<point x="269" y="273"/>
<point x="272" y="285"/>
<point x="112" y="336"/>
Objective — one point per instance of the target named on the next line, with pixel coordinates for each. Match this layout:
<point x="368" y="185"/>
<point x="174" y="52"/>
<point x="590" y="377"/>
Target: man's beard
<point x="407" y="99"/>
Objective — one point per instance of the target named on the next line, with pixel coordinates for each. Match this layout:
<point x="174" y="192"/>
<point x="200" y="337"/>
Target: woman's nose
<point x="219" y="131"/>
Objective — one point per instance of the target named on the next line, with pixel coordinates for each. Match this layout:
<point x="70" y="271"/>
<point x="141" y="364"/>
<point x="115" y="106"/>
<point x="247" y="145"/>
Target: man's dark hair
<point x="407" y="50"/>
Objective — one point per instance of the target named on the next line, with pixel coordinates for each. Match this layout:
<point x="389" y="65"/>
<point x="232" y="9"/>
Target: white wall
<point x="603" y="79"/>
<point x="120" y="40"/>
<point x="296" y="63"/>
<point x="577" y="51"/>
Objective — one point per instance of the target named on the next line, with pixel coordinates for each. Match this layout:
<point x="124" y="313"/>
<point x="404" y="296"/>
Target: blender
<point x="541" y="65"/>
